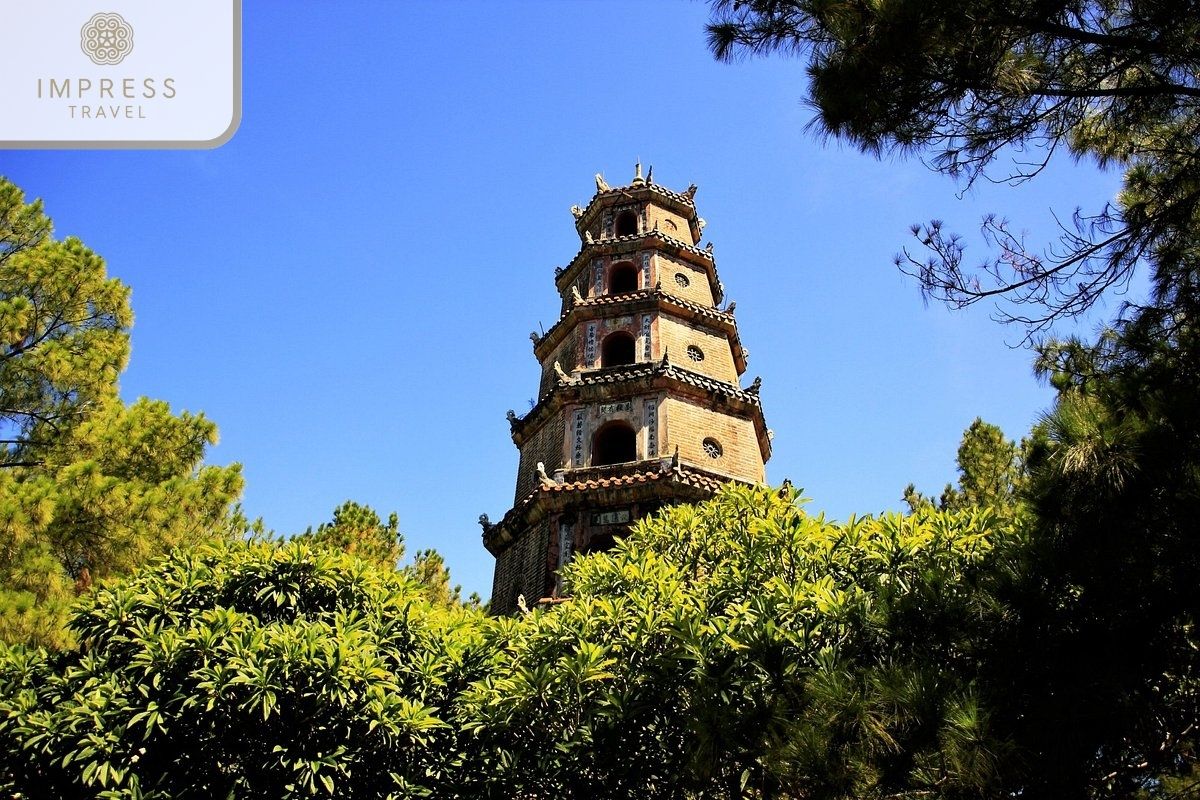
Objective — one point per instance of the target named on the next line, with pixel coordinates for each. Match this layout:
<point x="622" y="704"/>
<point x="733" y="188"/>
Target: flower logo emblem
<point x="106" y="38"/>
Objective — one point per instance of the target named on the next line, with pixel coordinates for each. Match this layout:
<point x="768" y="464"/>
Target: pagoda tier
<point x="640" y="404"/>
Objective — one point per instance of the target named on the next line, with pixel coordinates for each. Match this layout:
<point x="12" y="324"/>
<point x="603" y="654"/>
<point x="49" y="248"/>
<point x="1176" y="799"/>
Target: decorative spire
<point x="638" y="180"/>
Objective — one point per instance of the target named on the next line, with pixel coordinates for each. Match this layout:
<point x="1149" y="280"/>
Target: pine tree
<point x="357" y="529"/>
<point x="990" y="472"/>
<point x="89" y="487"/>
<point x="984" y="89"/>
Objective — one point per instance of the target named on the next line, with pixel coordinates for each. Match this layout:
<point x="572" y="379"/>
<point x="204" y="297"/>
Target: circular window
<point x="695" y="353"/>
<point x="682" y="280"/>
<point x="712" y="447"/>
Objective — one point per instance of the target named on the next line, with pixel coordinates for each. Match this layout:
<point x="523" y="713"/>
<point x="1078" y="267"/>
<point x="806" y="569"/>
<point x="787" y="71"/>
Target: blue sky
<point x="347" y="287"/>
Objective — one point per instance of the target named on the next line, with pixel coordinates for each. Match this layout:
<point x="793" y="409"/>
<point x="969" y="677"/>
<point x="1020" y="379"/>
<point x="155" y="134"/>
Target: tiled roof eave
<point x="681" y="202"/>
<point x="649" y="475"/>
<point x="653" y="376"/>
<point x="588" y="308"/>
<point x="668" y="244"/>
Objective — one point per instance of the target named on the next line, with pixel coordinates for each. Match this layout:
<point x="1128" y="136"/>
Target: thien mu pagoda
<point x="640" y="403"/>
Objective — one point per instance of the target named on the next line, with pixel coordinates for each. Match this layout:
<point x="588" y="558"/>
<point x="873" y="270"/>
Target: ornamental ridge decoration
<point x="106" y="38"/>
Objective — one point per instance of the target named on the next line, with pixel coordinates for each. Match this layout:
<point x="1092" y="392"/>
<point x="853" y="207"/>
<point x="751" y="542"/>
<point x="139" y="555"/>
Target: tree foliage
<point x="736" y="648"/>
<point x="430" y="570"/>
<point x="1091" y="664"/>
<point x="245" y="670"/>
<point x="1095" y="665"/>
<point x="1115" y="487"/>
<point x="990" y="470"/>
<point x="970" y="83"/>
<point x="744" y="648"/>
<point x="89" y="487"/>
<point x="357" y="530"/>
<point x="63" y="330"/>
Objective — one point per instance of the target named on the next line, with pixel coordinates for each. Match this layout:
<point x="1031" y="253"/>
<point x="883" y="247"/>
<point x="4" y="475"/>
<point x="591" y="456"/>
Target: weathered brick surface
<point x="675" y="335"/>
<point x="546" y="445"/>
<point x="687" y="425"/>
<point x="582" y="282"/>
<point x="521" y="570"/>
<point x="669" y="222"/>
<point x="568" y="354"/>
<point x="698" y="289"/>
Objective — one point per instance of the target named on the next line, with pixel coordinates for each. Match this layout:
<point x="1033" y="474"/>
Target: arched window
<point x="617" y="348"/>
<point x="600" y="542"/>
<point x="623" y="277"/>
<point x="626" y="223"/>
<point x="614" y="443"/>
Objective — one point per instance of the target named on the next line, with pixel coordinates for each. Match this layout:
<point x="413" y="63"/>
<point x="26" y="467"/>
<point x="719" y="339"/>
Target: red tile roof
<point x="583" y="481"/>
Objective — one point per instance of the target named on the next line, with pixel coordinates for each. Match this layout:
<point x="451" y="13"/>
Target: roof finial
<point x="638" y="180"/>
<point x="601" y="184"/>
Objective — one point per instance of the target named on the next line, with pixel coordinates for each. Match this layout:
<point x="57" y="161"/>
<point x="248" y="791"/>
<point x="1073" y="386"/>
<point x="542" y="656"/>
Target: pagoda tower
<point x="640" y="403"/>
